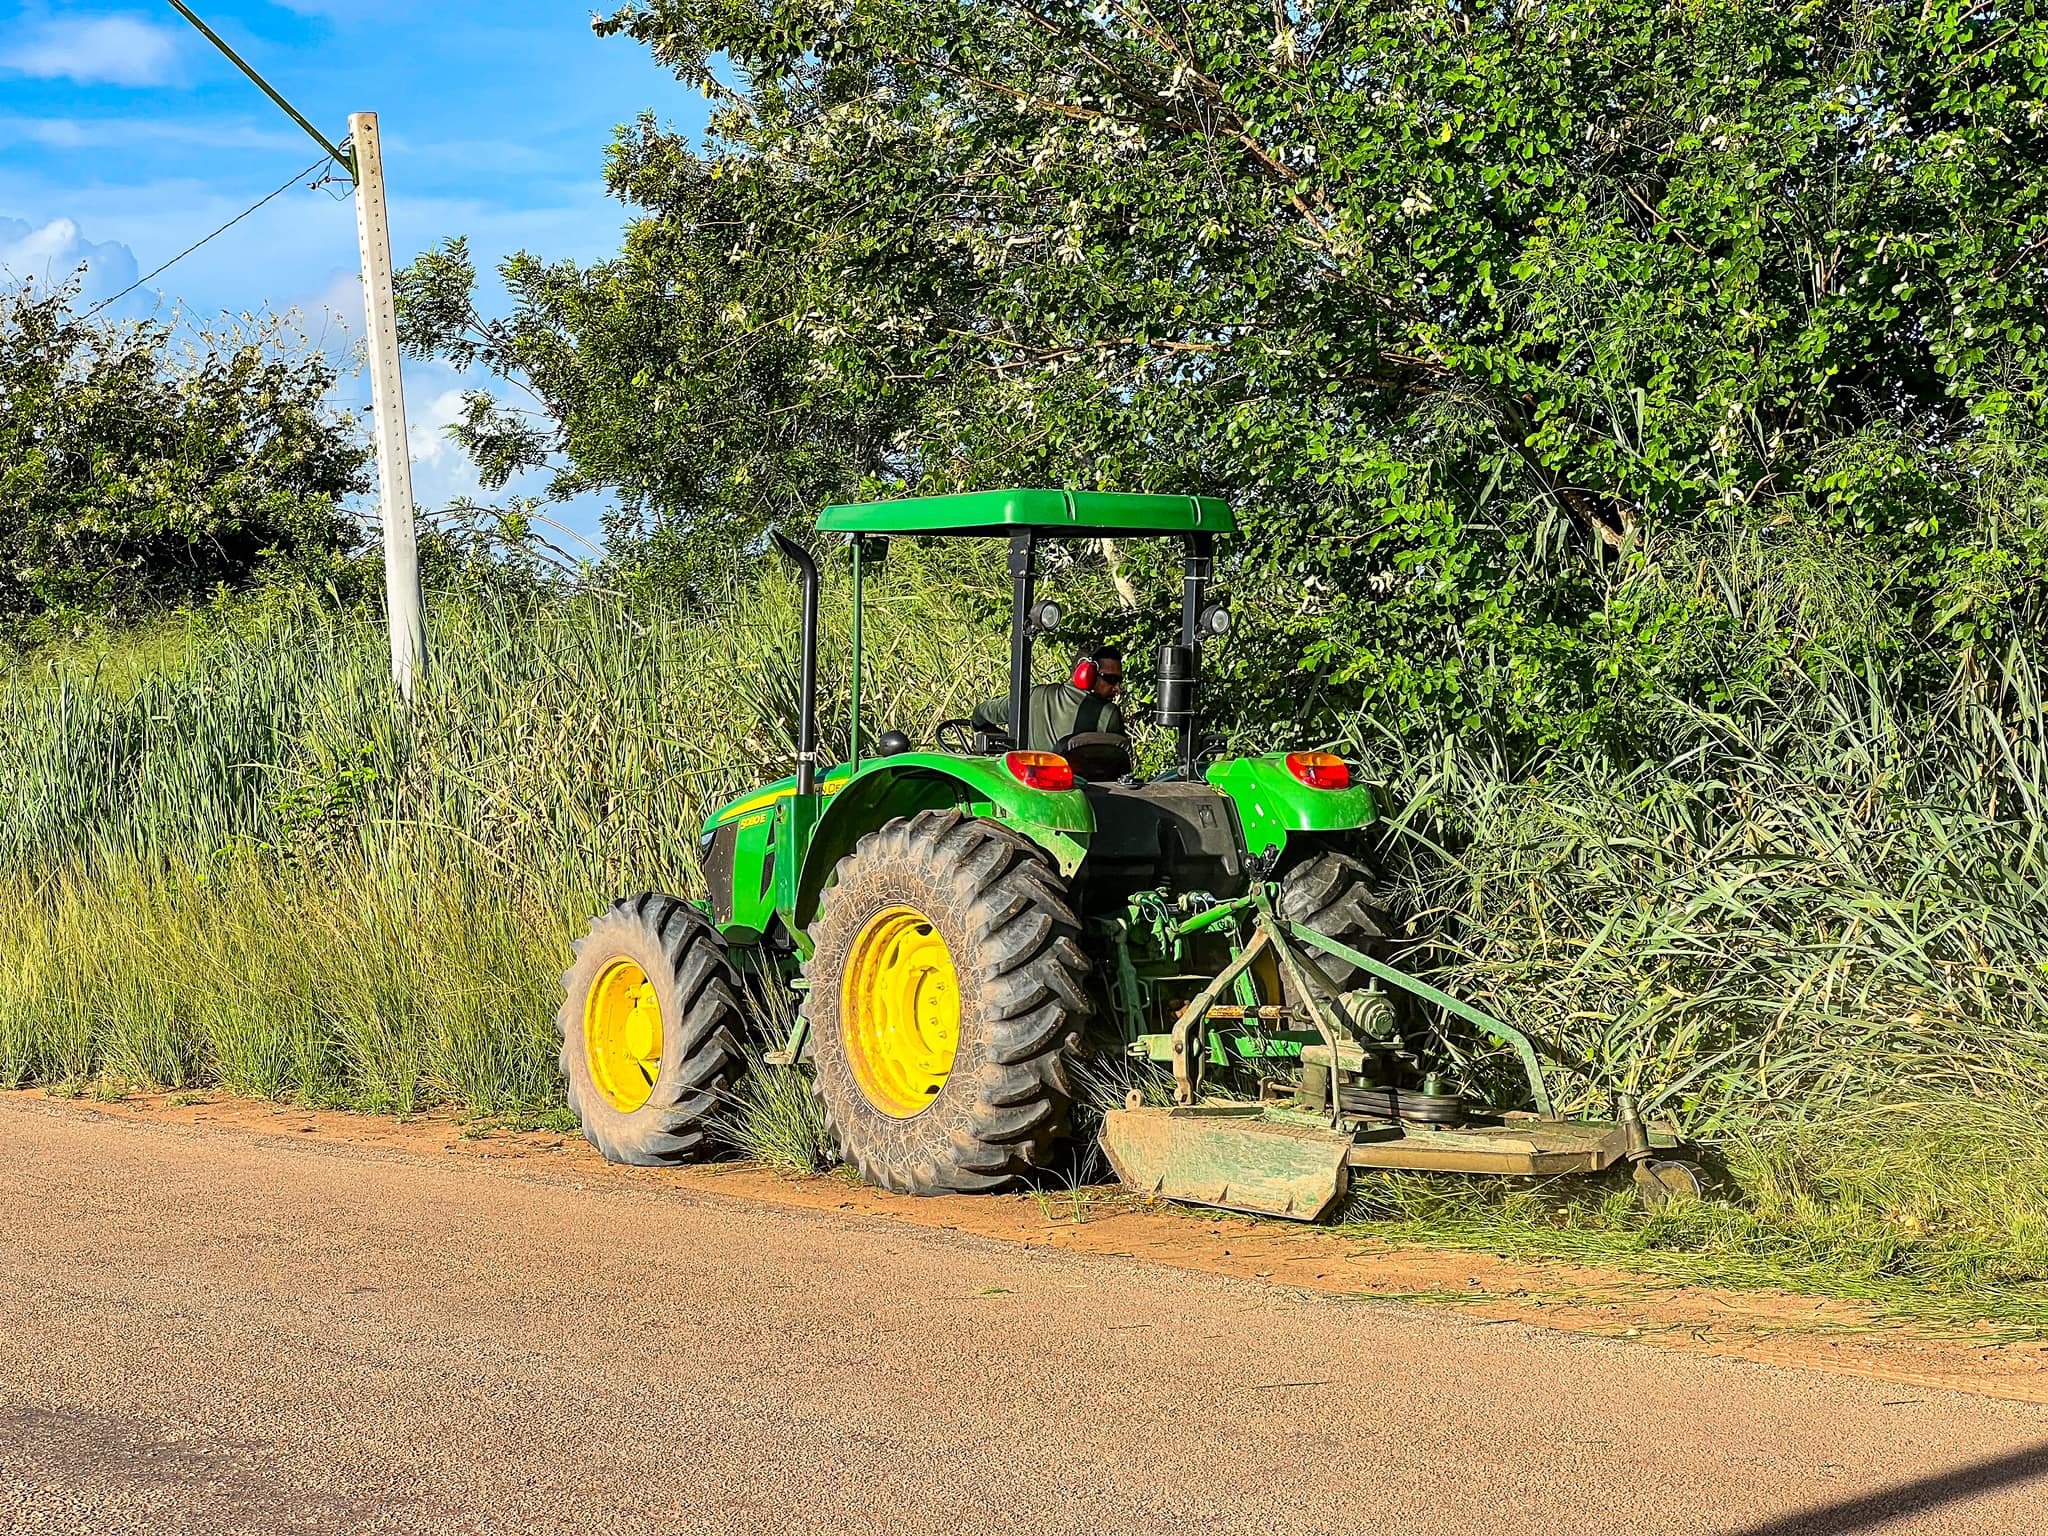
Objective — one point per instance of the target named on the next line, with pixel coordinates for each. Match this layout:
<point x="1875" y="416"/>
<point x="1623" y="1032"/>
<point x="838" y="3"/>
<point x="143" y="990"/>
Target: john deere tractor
<point x="967" y="923"/>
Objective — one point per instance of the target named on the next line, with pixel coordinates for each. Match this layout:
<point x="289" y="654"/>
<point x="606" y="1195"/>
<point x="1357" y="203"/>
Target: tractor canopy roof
<point x="1083" y="514"/>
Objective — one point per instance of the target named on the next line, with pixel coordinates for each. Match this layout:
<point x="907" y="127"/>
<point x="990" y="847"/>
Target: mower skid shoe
<point x="1228" y="1156"/>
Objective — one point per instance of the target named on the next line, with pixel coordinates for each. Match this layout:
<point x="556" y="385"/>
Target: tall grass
<point x="557" y="738"/>
<point x="1838" y="887"/>
<point x="1819" y="933"/>
<point x="245" y="867"/>
<point x="1818" y="929"/>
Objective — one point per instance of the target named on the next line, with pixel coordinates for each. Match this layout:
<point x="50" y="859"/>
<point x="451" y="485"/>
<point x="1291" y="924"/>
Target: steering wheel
<point x="955" y="736"/>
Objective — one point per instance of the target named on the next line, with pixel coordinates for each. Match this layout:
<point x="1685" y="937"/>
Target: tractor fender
<point x="884" y="788"/>
<point x="1274" y="807"/>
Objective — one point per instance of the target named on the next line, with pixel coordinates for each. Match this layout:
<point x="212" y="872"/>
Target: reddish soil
<point x="1774" y="1328"/>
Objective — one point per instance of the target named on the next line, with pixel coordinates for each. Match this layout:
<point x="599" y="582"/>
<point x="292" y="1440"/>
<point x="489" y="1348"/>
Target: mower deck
<point x="1276" y="1161"/>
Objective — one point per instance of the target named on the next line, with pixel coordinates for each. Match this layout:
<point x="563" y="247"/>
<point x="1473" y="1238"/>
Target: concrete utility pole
<point x="387" y="402"/>
<point x="364" y="162"/>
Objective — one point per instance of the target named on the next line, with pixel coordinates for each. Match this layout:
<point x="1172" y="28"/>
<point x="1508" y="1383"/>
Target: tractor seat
<point x="1101" y="756"/>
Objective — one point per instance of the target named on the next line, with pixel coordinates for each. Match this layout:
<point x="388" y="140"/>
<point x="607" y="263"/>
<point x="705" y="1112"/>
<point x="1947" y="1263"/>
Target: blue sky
<point x="124" y="137"/>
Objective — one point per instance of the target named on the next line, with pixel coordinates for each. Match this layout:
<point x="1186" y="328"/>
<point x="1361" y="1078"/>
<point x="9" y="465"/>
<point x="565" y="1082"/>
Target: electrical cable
<point x="231" y="223"/>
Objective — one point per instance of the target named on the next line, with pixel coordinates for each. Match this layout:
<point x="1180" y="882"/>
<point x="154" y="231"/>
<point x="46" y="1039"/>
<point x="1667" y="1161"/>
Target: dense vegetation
<point x="139" y="470"/>
<point x="1637" y="412"/>
<point x="234" y="866"/>
<point x="1468" y="309"/>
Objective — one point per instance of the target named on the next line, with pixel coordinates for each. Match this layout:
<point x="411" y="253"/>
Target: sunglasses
<point x="1114" y="679"/>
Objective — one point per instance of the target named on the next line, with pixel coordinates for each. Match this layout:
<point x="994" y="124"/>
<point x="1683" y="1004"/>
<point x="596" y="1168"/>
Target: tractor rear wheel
<point x="946" y="998"/>
<point x="1332" y="893"/>
<point x="650" y="1031"/>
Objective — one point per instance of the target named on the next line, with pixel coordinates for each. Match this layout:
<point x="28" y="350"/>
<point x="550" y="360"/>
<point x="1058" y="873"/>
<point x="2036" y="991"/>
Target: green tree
<point x="1475" y="312"/>
<point x="137" y="473"/>
<point x="673" y="378"/>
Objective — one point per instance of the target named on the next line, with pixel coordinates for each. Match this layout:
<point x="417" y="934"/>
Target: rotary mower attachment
<point x="1290" y="1152"/>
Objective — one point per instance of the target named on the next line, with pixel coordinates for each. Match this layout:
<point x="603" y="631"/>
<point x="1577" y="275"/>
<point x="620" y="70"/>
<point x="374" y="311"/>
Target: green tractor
<point x="965" y="926"/>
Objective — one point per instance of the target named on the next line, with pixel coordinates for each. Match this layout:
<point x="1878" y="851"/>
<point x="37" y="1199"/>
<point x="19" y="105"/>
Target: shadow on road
<point x="1874" y="1510"/>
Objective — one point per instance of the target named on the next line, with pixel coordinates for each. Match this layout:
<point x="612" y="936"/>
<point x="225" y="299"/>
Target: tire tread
<point x="1030" y="977"/>
<point x="674" y="1125"/>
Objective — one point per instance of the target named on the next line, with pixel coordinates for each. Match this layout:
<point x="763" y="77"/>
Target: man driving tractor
<point x="1082" y="704"/>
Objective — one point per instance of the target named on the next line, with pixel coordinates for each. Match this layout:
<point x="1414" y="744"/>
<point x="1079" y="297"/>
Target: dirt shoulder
<point x="1772" y="1328"/>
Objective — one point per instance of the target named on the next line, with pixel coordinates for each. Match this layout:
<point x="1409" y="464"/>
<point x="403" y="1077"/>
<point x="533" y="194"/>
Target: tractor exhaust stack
<point x="807" y="673"/>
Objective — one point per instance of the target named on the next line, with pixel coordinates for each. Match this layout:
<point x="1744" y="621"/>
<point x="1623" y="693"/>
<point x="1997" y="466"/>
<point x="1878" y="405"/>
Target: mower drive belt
<point x="1398" y="1104"/>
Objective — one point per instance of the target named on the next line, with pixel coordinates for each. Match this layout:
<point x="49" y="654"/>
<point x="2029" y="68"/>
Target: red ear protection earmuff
<point x="1084" y="673"/>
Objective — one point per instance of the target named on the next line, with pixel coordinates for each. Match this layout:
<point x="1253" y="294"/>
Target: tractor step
<point x="1277" y="1162"/>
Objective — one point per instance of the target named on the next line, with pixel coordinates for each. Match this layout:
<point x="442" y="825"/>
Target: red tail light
<point x="1319" y="770"/>
<point x="1041" y="770"/>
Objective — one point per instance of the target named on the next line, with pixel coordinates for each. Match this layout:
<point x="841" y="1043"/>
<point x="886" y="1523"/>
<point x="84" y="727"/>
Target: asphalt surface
<point x="212" y="1332"/>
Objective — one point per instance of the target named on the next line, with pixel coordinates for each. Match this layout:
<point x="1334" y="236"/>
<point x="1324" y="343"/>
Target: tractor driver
<point x="1080" y="704"/>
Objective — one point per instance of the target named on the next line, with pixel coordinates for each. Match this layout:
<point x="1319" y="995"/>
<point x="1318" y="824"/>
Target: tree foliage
<point x="668" y="377"/>
<point x="1483" y="316"/>
<point x="136" y="473"/>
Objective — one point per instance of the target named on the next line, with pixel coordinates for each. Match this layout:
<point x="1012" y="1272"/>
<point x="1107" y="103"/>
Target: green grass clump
<point x="775" y="1121"/>
<point x="771" y="1116"/>
<point x="1935" y="1209"/>
<point x="378" y="989"/>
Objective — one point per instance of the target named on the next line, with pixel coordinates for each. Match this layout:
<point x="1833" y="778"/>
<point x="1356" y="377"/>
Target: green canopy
<point x="1061" y="513"/>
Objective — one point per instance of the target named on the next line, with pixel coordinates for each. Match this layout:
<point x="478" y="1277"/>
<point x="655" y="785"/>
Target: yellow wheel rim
<point x="899" y="1011"/>
<point x="622" y="1035"/>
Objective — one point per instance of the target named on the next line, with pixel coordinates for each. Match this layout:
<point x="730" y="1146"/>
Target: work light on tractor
<point x="972" y="925"/>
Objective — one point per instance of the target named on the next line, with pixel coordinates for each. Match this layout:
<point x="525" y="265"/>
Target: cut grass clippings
<point x="1895" y="1205"/>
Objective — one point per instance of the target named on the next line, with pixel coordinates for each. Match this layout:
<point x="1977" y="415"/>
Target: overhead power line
<point x="231" y="223"/>
<point x="336" y="152"/>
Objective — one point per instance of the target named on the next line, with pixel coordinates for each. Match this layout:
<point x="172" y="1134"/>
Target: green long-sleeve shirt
<point x="1056" y="711"/>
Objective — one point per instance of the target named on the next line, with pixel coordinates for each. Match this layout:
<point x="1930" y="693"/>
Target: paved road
<point x="203" y="1331"/>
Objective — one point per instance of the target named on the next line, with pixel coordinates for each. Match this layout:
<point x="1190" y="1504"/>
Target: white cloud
<point x="96" y="50"/>
<point x="338" y="306"/>
<point x="47" y="255"/>
<point x="119" y="132"/>
<point x="427" y="427"/>
<point x="442" y="474"/>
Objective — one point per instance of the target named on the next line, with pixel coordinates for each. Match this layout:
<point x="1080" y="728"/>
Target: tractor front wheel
<point x="650" y="1031"/>
<point x="946" y="998"/>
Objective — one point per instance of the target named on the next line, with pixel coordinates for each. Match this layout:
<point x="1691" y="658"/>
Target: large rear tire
<point x="1332" y="893"/>
<point x="650" y="1031"/>
<point x="946" y="998"/>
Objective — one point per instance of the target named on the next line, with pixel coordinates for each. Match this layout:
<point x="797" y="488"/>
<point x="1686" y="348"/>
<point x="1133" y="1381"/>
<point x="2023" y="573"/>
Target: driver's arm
<point x="991" y="715"/>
